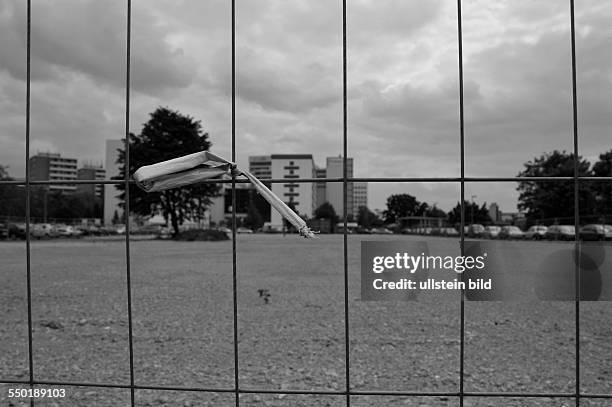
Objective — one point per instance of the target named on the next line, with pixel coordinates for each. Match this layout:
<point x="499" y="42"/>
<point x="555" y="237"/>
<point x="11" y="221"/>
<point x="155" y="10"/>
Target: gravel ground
<point x="183" y="326"/>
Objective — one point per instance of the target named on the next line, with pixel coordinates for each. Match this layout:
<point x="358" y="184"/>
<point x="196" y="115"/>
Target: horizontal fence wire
<point x="351" y="392"/>
<point x="329" y="180"/>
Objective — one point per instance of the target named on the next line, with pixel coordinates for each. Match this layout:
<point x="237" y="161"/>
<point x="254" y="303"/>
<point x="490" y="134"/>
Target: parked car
<point x="89" y="230"/>
<point x="511" y="232"/>
<point x="67" y="231"/>
<point x="491" y="232"/>
<point x="16" y="231"/>
<point x="4" y="231"/>
<point x="561" y="232"/>
<point x="449" y="232"/>
<point x="608" y="232"/>
<point x="382" y="231"/>
<point x="536" y="232"/>
<point x="475" y="230"/>
<point x="243" y="230"/>
<point x="42" y="230"/>
<point x="592" y="232"/>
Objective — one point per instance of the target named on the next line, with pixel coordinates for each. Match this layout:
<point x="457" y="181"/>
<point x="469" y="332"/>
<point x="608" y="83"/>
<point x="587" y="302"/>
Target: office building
<point x="299" y="195"/>
<point x="54" y="167"/>
<point x="360" y="196"/>
<point x="320" y="187"/>
<point x="335" y="190"/>
<point x="91" y="172"/>
<point x="261" y="166"/>
<point x="306" y="197"/>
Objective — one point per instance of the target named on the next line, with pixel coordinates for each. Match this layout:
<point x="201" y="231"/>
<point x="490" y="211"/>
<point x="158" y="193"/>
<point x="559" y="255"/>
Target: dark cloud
<point x="90" y="39"/>
<point x="285" y="83"/>
<point x="386" y="23"/>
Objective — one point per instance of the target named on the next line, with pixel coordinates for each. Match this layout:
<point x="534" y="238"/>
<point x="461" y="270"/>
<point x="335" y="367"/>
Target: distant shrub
<point x="207" y="235"/>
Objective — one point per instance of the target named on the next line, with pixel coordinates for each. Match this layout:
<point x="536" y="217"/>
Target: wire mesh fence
<point x="238" y="393"/>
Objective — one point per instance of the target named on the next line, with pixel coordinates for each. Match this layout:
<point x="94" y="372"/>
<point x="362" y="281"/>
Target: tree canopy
<point x="603" y="190"/>
<point x="253" y="220"/>
<point x="480" y="213"/>
<point x="168" y="134"/>
<point x="12" y="198"/>
<point x="553" y="199"/>
<point x="402" y="205"/>
<point x="326" y="211"/>
<point x="368" y="219"/>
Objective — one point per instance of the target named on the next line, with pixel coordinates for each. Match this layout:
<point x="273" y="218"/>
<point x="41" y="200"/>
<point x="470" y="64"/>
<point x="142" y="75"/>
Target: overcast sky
<point x="403" y="107"/>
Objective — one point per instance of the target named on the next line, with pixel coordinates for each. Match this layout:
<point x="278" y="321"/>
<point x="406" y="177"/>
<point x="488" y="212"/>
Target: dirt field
<point x="182" y="326"/>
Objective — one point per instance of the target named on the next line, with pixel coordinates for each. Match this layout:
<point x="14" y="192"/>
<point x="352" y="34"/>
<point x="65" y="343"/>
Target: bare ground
<point x="182" y="316"/>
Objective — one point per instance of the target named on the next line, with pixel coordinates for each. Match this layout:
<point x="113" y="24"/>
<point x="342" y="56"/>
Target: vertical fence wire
<point x="27" y="203"/>
<point x="234" y="267"/>
<point x="126" y="180"/>
<point x="347" y="360"/>
<point x="576" y="203"/>
<point x="462" y="223"/>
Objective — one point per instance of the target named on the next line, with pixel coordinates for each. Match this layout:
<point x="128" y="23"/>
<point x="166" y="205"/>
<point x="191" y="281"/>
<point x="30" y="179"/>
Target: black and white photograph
<point x="317" y="203"/>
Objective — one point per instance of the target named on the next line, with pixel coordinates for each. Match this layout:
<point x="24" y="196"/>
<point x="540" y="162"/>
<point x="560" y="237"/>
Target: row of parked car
<point x="15" y="230"/>
<point x="598" y="232"/>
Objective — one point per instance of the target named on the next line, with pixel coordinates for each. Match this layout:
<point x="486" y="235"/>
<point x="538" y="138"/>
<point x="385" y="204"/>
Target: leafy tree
<point x="71" y="206"/>
<point x="326" y="211"/>
<point x="368" y="219"/>
<point x="603" y="167"/>
<point x="481" y="214"/>
<point x="435" y="212"/>
<point x="12" y="197"/>
<point x="116" y="220"/>
<point x="603" y="189"/>
<point x="543" y="200"/>
<point x="401" y="205"/>
<point x="168" y="134"/>
<point x="253" y="219"/>
<point x="287" y="226"/>
<point x="4" y="175"/>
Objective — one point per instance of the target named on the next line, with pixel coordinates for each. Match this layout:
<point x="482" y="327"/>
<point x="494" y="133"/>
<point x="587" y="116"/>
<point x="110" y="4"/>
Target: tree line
<point x="45" y="203"/>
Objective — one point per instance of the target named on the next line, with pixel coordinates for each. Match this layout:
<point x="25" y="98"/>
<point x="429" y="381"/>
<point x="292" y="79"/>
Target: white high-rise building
<point x="300" y="195"/>
<point x="260" y="166"/>
<point x="320" y="187"/>
<point x="360" y="196"/>
<point x="306" y="197"/>
<point x="335" y="190"/>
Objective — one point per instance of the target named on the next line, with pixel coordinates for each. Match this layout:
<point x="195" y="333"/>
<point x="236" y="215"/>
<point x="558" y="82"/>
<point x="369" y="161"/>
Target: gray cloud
<point x="287" y="84"/>
<point x="90" y="39"/>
